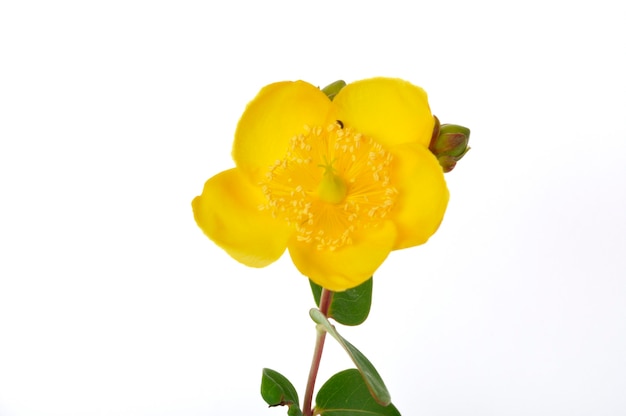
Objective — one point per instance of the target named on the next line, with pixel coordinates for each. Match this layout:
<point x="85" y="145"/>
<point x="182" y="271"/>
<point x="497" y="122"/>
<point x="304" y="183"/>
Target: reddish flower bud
<point x="449" y="144"/>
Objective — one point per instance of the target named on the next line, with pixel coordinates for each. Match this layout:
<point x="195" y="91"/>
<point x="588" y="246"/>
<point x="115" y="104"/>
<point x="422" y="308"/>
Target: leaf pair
<point x="354" y="398"/>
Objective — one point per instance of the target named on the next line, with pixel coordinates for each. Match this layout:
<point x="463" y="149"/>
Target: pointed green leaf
<point x="278" y="391"/>
<point x="345" y="394"/>
<point x="350" y="307"/>
<point x="372" y="379"/>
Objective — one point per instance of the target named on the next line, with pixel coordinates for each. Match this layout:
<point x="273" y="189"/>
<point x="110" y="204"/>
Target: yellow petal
<point x="228" y="213"/>
<point x="390" y="110"/>
<point x="279" y="112"/>
<point x="348" y="266"/>
<point x="422" y="194"/>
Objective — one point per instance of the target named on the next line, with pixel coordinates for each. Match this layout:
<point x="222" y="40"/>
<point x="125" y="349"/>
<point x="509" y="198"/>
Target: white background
<point x="113" y="114"/>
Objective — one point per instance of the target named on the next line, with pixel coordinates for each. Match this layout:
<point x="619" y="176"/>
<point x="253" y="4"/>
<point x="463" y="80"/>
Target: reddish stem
<point x="325" y="299"/>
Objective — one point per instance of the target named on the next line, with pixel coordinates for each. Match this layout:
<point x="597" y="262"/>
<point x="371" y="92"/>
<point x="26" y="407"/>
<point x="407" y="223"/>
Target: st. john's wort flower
<point x="339" y="183"/>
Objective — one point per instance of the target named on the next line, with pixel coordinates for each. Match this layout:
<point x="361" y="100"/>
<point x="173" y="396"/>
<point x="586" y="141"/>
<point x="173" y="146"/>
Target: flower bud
<point x="449" y="144"/>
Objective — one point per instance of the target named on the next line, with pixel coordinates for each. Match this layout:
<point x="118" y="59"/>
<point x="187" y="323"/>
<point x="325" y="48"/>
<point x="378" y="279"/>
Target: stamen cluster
<point x="296" y="186"/>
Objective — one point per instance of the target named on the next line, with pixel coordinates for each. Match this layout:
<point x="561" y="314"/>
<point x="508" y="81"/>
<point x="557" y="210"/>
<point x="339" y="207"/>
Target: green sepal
<point x="370" y="376"/>
<point x="345" y="394"/>
<point x="333" y="89"/>
<point x="278" y="391"/>
<point x="350" y="307"/>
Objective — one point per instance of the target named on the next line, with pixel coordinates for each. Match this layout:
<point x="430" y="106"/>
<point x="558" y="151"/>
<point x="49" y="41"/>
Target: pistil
<point x="332" y="189"/>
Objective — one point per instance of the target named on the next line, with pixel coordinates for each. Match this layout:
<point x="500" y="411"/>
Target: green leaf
<point x="372" y="379"/>
<point x="345" y="394"/>
<point x="278" y="391"/>
<point x="350" y="307"/>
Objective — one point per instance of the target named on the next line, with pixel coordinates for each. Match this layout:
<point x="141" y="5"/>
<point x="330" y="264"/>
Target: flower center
<point x="350" y="192"/>
<point x="332" y="188"/>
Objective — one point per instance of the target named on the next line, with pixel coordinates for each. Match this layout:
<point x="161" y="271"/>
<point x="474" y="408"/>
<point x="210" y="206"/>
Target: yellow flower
<point x="339" y="183"/>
